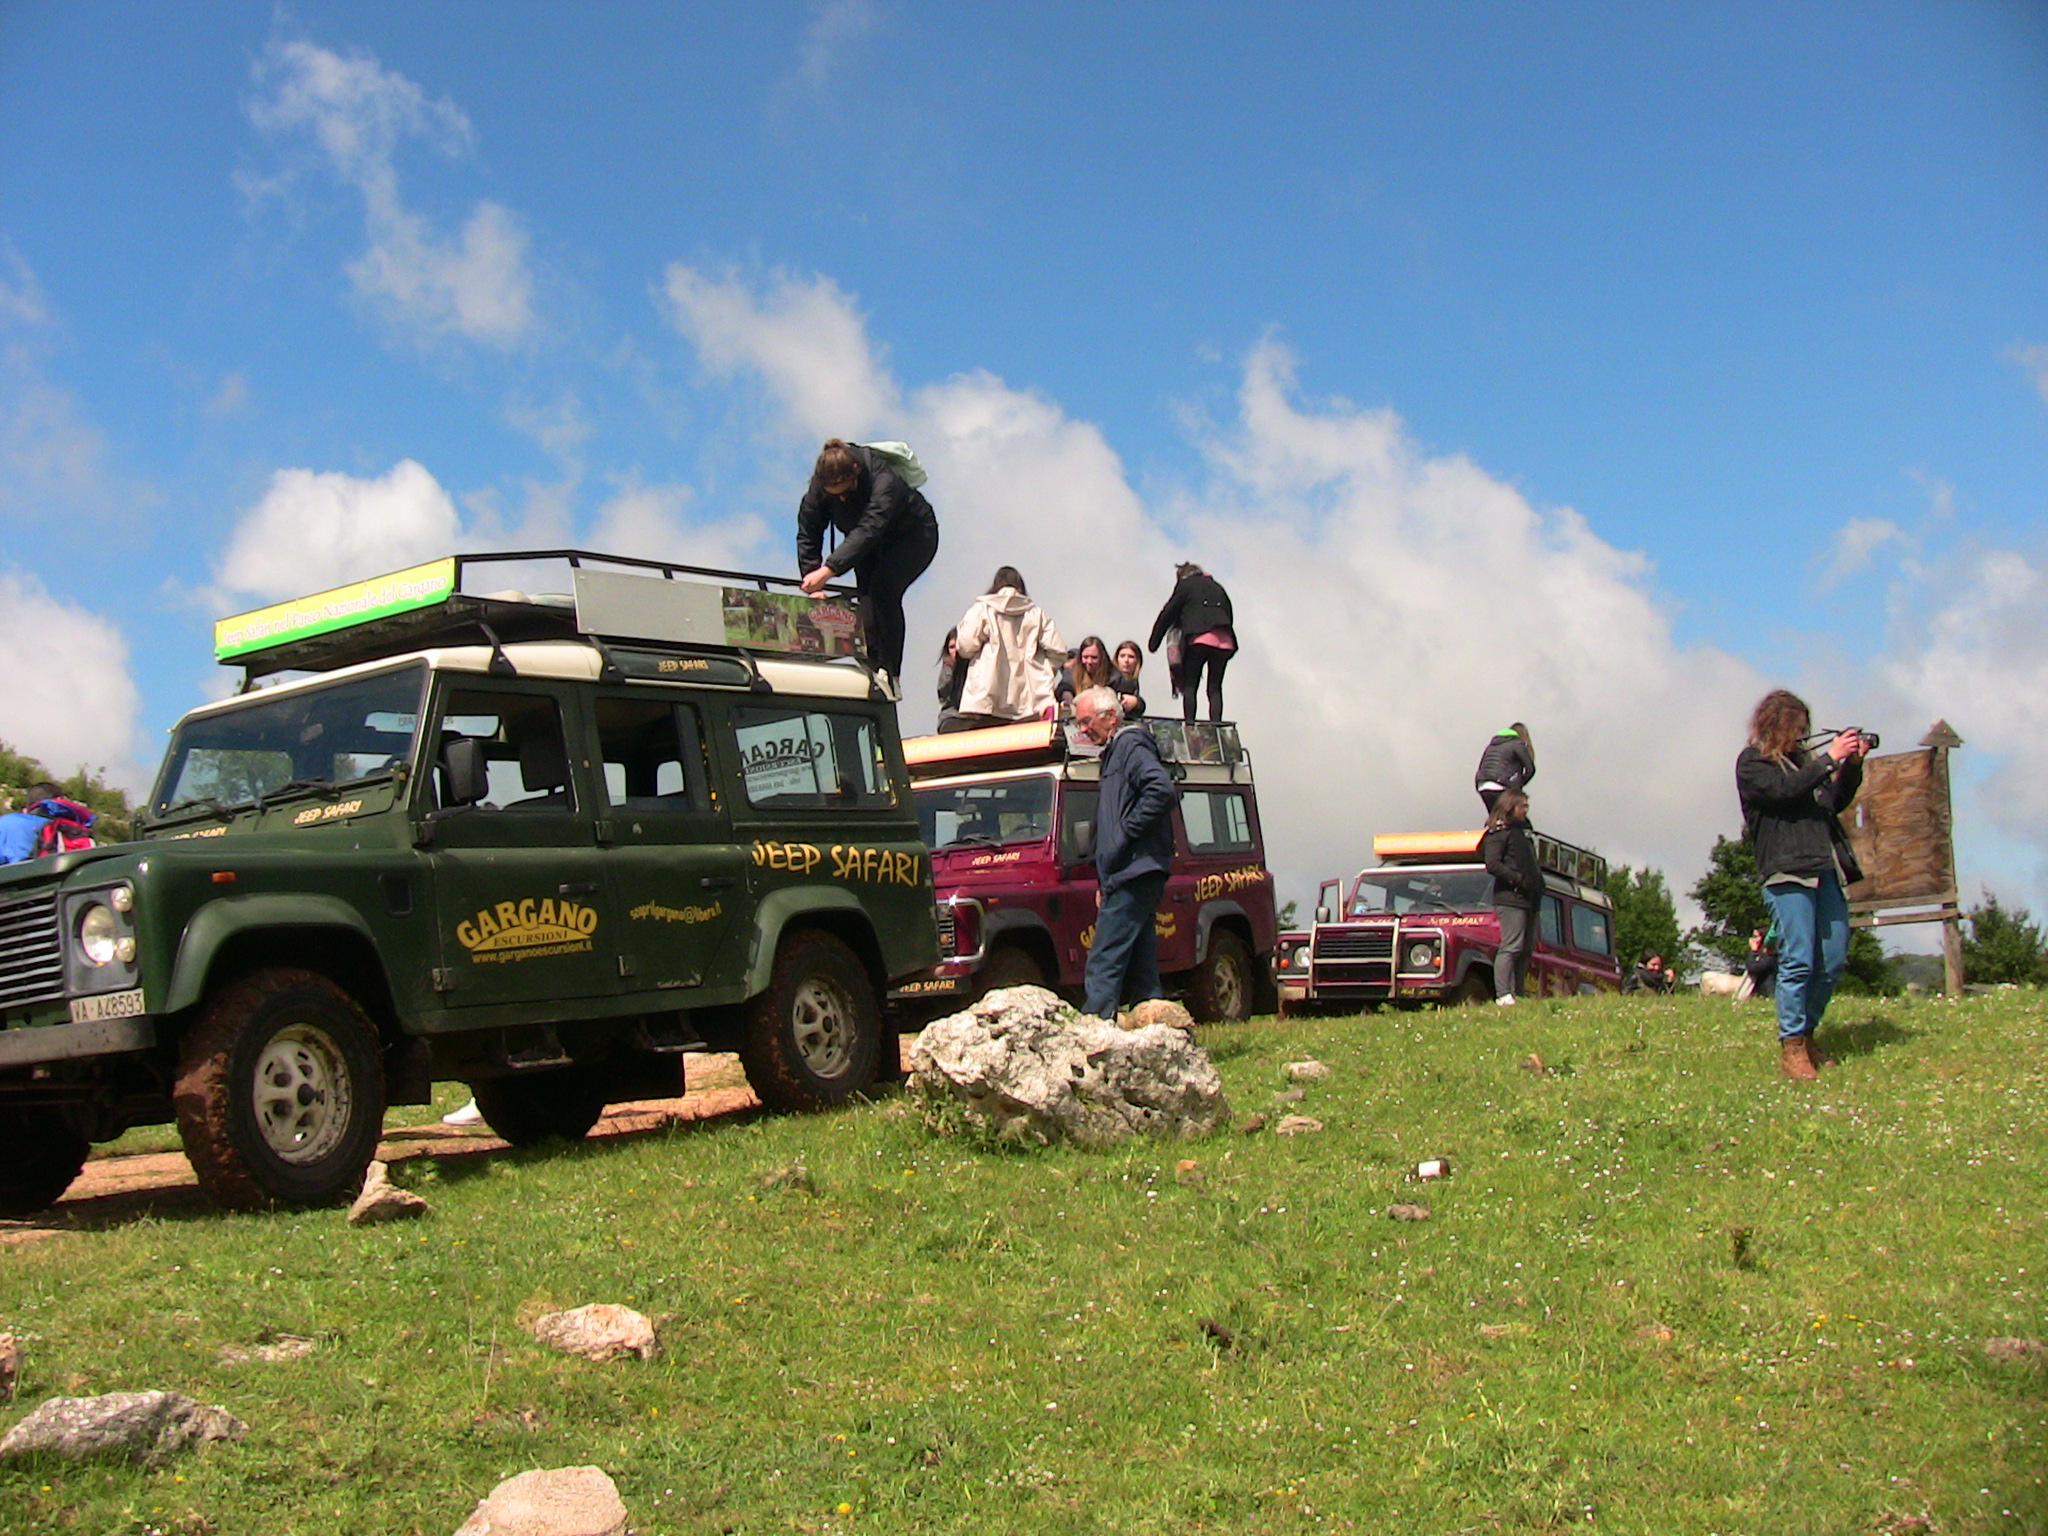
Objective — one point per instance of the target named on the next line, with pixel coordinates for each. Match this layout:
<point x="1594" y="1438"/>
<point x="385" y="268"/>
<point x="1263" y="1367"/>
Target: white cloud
<point x="832" y="48"/>
<point x="1856" y="544"/>
<point x="231" y="398"/>
<point x="475" y="284"/>
<point x="652" y="523"/>
<point x="559" y="425"/>
<point x="314" y="530"/>
<point x="21" y="296"/>
<point x="69" y="699"/>
<point x="2034" y="360"/>
<point x="1395" y="608"/>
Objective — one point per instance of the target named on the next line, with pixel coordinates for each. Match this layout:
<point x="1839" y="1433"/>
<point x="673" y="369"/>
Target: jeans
<point x="1124" y="960"/>
<point x="1813" y="949"/>
<point x="1511" y="960"/>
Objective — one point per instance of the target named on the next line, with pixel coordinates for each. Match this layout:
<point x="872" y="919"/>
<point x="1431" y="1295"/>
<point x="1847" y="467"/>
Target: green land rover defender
<point x="543" y="845"/>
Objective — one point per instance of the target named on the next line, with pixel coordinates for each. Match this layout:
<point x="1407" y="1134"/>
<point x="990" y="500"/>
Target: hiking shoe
<point x="1793" y="1060"/>
<point x="1816" y="1055"/>
<point x="1505" y="1002"/>
<point x="469" y="1114"/>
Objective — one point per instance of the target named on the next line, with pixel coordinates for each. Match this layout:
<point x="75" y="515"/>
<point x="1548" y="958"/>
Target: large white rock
<point x="600" y="1331"/>
<point x="1025" y="1065"/>
<point x="137" y="1426"/>
<point x="557" y="1501"/>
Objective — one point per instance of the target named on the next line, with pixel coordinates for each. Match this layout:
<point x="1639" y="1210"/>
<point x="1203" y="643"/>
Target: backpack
<point x="61" y="834"/>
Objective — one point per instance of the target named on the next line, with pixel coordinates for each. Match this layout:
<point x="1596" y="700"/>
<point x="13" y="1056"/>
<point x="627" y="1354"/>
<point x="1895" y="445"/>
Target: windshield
<point x="1421" y="890"/>
<point x="307" y="738"/>
<point x="986" y="815"/>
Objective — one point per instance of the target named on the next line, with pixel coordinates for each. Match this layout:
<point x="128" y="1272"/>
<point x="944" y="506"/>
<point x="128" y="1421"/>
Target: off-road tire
<point x="814" y="1036"/>
<point x="280" y="1092"/>
<point x="529" y="1108"/>
<point x="1009" y="965"/>
<point x="1220" y="988"/>
<point x="1476" y="988"/>
<point x="40" y="1154"/>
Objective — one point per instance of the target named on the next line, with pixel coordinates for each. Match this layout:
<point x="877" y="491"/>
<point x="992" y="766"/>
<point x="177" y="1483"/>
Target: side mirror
<point x="1322" y="914"/>
<point x="465" y="776"/>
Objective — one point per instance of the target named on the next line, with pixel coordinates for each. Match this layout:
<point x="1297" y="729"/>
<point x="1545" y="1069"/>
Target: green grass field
<point x="1662" y="1292"/>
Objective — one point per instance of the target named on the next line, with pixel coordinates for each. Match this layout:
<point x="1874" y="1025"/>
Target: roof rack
<point x="1557" y="856"/>
<point x="1050" y="741"/>
<point x="684" y="607"/>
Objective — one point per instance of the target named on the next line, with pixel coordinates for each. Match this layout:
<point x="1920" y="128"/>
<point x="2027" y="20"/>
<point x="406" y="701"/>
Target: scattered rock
<point x="1307" y="1071"/>
<point x="1297" y="1125"/>
<point x="10" y="1366"/>
<point x="600" y="1331"/>
<point x="137" y="1426"/>
<point x="1405" y="1212"/>
<point x="796" y="1176"/>
<point x="1158" y="1010"/>
<point x="2017" y="1351"/>
<point x="1290" y="1095"/>
<point x="1533" y="1065"/>
<point x="286" y="1346"/>
<point x="562" y="1501"/>
<point x="382" y="1200"/>
<point x="1023" y="1065"/>
<point x="1251" y="1125"/>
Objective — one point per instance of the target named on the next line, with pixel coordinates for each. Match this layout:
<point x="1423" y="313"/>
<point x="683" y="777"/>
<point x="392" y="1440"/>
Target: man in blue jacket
<point x="1133" y="854"/>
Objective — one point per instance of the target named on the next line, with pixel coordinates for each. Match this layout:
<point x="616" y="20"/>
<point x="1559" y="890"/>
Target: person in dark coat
<point x="1133" y="855"/>
<point x="1762" y="965"/>
<point x="1200" y="609"/>
<point x="890" y="536"/>
<point x="1792" y="802"/>
<point x="1510" y="853"/>
<point x="952" y="680"/>
<point x="1509" y="762"/>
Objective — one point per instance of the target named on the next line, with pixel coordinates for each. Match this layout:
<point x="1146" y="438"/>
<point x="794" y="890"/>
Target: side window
<point x="1590" y="930"/>
<point x="1552" y="928"/>
<point x="524" y="750"/>
<point x="1218" y="821"/>
<point x="794" y="758"/>
<point x="1077" y="806"/>
<point x="652" y="753"/>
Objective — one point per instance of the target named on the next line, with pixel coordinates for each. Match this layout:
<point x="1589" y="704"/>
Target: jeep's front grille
<point x="1355" y="944"/>
<point x="946" y="929"/>
<point x="31" y="954"/>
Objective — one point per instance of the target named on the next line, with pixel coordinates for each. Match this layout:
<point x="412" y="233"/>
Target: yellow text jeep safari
<point x="542" y="845"/>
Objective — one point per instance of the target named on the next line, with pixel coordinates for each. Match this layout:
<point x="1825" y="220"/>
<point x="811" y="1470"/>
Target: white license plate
<point x="108" y="1005"/>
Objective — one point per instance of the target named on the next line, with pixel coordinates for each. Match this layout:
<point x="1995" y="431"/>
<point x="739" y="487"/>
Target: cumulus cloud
<point x="653" y="523"/>
<point x="474" y="283"/>
<point x="70" y="700"/>
<point x="1396" y="607"/>
<point x="832" y="43"/>
<point x="1856" y="544"/>
<point x="313" y="530"/>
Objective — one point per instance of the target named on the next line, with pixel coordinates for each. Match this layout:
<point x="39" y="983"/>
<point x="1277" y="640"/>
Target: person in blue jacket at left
<point x="1133" y="854"/>
<point x="23" y="833"/>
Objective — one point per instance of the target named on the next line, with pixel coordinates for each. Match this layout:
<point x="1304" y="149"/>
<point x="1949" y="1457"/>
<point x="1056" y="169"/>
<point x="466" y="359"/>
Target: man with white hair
<point x="1133" y="854"/>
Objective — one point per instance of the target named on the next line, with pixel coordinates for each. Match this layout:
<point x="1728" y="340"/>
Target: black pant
<point x="884" y="574"/>
<point x="1193" y="657"/>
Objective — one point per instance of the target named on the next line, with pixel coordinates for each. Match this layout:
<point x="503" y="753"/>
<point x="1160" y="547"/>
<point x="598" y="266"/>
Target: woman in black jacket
<point x="1510" y="854"/>
<point x="1200" y="609"/>
<point x="891" y="535"/>
<point x="1509" y="762"/>
<point x="1792" y="800"/>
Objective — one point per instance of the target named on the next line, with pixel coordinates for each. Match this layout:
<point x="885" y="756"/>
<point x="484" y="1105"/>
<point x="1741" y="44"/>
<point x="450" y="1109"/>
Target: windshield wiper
<point x="293" y="786"/>
<point x="198" y="802"/>
<point x="973" y="840"/>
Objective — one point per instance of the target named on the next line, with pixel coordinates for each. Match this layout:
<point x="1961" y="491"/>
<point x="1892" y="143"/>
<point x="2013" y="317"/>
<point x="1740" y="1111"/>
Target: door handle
<point x="718" y="882"/>
<point x="577" y="888"/>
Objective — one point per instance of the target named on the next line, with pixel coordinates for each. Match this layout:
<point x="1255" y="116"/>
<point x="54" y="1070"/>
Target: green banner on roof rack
<point x="301" y="618"/>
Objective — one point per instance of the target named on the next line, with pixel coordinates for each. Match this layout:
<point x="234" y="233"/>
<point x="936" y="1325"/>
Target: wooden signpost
<point x="1902" y="830"/>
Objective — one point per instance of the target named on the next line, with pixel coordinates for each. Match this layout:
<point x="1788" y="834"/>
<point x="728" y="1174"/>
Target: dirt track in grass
<point x="121" y="1187"/>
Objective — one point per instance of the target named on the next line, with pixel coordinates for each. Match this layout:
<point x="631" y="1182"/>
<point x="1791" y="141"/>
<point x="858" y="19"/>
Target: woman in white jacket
<point x="1013" y="650"/>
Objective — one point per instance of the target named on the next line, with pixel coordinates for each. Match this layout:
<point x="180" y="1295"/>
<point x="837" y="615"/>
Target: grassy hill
<point x="1662" y="1291"/>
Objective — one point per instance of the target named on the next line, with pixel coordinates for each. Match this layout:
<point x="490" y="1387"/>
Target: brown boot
<point x="1793" y="1060"/>
<point x="1816" y="1055"/>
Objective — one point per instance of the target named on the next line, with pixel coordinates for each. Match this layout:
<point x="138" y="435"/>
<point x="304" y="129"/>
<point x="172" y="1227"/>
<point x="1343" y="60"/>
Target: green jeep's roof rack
<point x="681" y="608"/>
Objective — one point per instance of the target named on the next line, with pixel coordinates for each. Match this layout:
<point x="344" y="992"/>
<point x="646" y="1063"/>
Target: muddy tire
<point x="40" y="1154"/>
<point x="528" y="1109"/>
<point x="1220" y="990"/>
<point x="814" y="1036"/>
<point x="1010" y="965"/>
<point x="280" y="1092"/>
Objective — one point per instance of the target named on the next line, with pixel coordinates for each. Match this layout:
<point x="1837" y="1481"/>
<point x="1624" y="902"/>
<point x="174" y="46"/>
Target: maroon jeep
<point x="1421" y="928"/>
<point x="1008" y="812"/>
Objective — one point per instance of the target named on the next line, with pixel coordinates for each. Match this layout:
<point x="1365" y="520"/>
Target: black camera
<point x="1818" y="739"/>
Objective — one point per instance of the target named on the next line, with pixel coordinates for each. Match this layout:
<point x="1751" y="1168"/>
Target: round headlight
<point x="1422" y="956"/>
<point x="97" y="934"/>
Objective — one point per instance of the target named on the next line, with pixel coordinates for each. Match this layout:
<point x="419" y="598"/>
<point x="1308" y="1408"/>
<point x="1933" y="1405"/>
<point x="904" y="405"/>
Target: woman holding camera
<point x="1792" y="800"/>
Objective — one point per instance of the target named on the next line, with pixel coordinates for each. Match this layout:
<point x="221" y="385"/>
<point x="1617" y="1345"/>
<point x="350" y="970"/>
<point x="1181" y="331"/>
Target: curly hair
<point x="1781" y="720"/>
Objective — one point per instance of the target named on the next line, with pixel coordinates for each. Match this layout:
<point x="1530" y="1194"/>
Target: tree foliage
<point x="1645" y="918"/>
<point x="2003" y="944"/>
<point x="87" y="786"/>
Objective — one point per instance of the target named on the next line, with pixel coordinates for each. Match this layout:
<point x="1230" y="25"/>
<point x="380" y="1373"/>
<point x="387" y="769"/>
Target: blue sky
<point x="1594" y="365"/>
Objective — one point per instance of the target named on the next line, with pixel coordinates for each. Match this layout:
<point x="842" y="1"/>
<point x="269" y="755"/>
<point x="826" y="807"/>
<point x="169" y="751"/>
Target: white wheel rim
<point x="1229" y="985"/>
<point x="821" y="1019"/>
<point x="303" y="1095"/>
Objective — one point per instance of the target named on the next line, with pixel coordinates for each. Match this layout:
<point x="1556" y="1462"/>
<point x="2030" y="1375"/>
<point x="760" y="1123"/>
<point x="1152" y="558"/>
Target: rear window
<point x="796" y="758"/>
<point x="1218" y="821"/>
<point x="1591" y="930"/>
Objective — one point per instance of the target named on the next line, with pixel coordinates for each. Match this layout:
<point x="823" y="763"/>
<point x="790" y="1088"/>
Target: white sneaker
<point x="1505" y="1002"/>
<point x="469" y="1114"/>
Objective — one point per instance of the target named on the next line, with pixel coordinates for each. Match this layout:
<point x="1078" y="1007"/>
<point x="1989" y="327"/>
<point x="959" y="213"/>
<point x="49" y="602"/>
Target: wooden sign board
<point x="1901" y="829"/>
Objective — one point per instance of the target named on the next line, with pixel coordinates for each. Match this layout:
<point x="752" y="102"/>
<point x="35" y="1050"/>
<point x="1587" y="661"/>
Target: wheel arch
<point x="231" y="937"/>
<point x="828" y="911"/>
